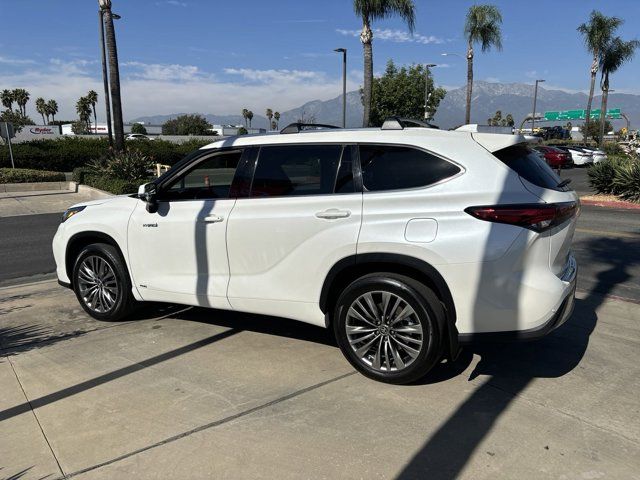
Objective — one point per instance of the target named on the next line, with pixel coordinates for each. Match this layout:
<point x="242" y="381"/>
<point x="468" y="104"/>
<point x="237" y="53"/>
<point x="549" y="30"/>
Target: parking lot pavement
<point x="193" y="393"/>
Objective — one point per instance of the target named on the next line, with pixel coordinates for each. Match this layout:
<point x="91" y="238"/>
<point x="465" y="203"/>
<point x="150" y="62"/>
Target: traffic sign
<point x="614" y="114"/>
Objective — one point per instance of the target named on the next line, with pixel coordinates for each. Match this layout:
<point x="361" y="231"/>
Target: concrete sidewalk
<point x="193" y="393"/>
<point x="45" y="201"/>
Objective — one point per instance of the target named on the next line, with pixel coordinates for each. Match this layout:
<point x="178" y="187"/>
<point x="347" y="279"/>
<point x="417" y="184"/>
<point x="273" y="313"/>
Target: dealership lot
<point x="184" y="392"/>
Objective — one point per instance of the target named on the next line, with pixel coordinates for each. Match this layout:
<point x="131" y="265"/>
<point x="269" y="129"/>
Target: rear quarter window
<point x="524" y="161"/>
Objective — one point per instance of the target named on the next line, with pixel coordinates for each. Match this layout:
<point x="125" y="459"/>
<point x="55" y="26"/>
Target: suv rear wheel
<point x="101" y="282"/>
<point x="389" y="327"/>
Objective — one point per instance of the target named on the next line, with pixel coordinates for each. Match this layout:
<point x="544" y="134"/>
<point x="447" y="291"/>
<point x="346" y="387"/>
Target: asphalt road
<point x="605" y="245"/>
<point x="25" y="245"/>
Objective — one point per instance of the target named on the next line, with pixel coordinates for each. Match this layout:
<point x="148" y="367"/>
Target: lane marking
<point x="605" y="233"/>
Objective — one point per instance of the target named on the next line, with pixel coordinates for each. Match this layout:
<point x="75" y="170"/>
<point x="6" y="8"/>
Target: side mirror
<point x="147" y="193"/>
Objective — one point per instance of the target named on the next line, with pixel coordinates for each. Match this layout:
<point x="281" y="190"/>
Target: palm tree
<point x="276" y="115"/>
<point x="245" y="112"/>
<point x="269" y="114"/>
<point x="249" y="117"/>
<point x="52" y="109"/>
<point x="41" y="108"/>
<point x="92" y="96"/>
<point x="482" y="26"/>
<point x="369" y="11"/>
<point x="615" y="54"/>
<point x="83" y="108"/>
<point x="114" y="75"/>
<point x="6" y="97"/>
<point x="597" y="33"/>
<point x="21" y="97"/>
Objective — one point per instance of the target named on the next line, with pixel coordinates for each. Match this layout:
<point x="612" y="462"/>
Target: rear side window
<point x="530" y="166"/>
<point x="387" y="167"/>
<point x="300" y="170"/>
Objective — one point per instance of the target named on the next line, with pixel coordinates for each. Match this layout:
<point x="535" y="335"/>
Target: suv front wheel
<point x="389" y="327"/>
<point x="101" y="283"/>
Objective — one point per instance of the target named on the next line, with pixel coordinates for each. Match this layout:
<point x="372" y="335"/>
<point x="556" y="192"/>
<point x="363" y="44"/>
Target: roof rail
<point x="398" y="123"/>
<point x="299" y="127"/>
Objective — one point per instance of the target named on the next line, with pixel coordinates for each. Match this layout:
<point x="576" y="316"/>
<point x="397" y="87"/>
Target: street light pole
<point x="535" y="99"/>
<point x="105" y="77"/>
<point x="426" y="90"/>
<point x="344" y="85"/>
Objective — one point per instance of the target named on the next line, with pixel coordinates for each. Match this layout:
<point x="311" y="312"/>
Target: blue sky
<point x="219" y="57"/>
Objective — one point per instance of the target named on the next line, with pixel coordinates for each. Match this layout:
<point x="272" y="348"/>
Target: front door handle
<point x="213" y="218"/>
<point x="333" y="213"/>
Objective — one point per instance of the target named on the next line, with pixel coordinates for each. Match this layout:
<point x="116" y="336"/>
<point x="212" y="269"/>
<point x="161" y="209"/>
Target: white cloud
<point x="158" y="71"/>
<point x="252" y="75"/>
<point x="531" y="74"/>
<point x="16" y="61"/>
<point x="492" y="80"/>
<point x="397" y="36"/>
<point x="174" y="3"/>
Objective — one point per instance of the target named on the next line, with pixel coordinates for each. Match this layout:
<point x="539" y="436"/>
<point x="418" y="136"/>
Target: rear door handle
<point x="333" y="213"/>
<point x="213" y="219"/>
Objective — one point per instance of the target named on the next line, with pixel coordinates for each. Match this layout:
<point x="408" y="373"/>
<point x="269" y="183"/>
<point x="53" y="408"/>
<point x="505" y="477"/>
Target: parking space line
<point x="213" y="424"/>
<point x="605" y="233"/>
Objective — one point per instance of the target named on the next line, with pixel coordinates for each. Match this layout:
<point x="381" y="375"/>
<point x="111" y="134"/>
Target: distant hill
<point x="514" y="98"/>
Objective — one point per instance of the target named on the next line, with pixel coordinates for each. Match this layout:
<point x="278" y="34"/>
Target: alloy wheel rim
<point x="384" y="331"/>
<point x="98" y="285"/>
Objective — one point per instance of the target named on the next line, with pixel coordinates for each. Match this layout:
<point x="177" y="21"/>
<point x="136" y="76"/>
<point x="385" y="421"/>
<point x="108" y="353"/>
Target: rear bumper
<point x="558" y="317"/>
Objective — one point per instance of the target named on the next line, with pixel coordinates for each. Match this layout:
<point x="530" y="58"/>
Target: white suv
<point x="406" y="241"/>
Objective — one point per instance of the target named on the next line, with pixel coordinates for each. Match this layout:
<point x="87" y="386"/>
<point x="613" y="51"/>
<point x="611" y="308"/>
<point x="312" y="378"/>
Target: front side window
<point x="290" y="170"/>
<point x="389" y="167"/>
<point x="210" y="178"/>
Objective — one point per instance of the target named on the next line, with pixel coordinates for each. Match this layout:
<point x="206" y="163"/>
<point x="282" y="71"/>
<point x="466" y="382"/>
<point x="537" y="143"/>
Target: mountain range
<point x="513" y="98"/>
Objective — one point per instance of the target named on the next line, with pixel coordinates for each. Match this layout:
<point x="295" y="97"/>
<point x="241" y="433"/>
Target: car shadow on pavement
<point x="509" y="369"/>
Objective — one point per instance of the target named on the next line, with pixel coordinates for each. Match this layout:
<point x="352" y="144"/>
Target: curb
<point x="611" y="204"/>
<point x="34" y="187"/>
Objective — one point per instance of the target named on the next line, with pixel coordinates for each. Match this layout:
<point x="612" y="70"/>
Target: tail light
<point x="534" y="216"/>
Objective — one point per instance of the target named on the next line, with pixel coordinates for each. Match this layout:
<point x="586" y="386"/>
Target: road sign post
<point x="6" y="132"/>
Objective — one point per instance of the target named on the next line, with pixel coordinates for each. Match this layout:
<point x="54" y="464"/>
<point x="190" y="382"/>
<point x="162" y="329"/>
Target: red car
<point x="555" y="157"/>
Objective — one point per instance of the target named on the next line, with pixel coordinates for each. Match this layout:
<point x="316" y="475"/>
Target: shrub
<point x="612" y="148"/>
<point x="627" y="181"/>
<point x="138" y="128"/>
<point x="65" y="154"/>
<point x="117" y="186"/>
<point x="129" y="165"/>
<point x="79" y="173"/>
<point x="601" y="176"/>
<point x="24" y="175"/>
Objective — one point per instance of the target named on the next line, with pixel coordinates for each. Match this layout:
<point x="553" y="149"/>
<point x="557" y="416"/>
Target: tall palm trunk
<point x="366" y="37"/>
<point x="603" y="108"/>
<point x="114" y="77"/>
<point x="594" y="72"/>
<point x="467" y="115"/>
<point x="42" y="118"/>
<point x="95" y="118"/>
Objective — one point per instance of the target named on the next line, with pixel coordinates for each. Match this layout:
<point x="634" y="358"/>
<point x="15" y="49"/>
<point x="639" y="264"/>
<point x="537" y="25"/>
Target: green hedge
<point x="65" y="154"/>
<point x="618" y="175"/>
<point x="24" y="175"/>
<point x="117" y="186"/>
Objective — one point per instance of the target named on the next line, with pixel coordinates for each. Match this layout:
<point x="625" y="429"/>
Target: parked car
<point x="406" y="242"/>
<point x="598" y="155"/>
<point x="555" y="157"/>
<point x="137" y="136"/>
<point x="579" y="156"/>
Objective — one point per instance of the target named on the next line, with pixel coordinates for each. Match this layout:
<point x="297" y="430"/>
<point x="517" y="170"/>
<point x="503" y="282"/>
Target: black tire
<point x="123" y="303"/>
<point x="428" y="311"/>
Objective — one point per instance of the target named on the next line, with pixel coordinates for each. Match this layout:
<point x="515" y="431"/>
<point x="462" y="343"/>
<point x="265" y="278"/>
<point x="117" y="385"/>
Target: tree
<point x="83" y="108"/>
<point x="138" y="128"/>
<point x="274" y="125"/>
<point x="509" y="120"/>
<point x="597" y="33"/>
<point x="52" y="109"/>
<point x="269" y="114"/>
<point x="41" y="108"/>
<point x="370" y="11"/>
<point x="114" y="75"/>
<point x="482" y="26"/>
<point x="242" y="131"/>
<point x="615" y="54"/>
<point x="92" y="97"/>
<point x="21" y="97"/>
<point x="592" y="130"/>
<point x="249" y="117"/>
<point x="245" y="113"/>
<point x="276" y="115"/>
<point x="400" y="92"/>
<point x="16" y="118"/>
<point x="6" y="97"/>
<point x="187" y="125"/>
